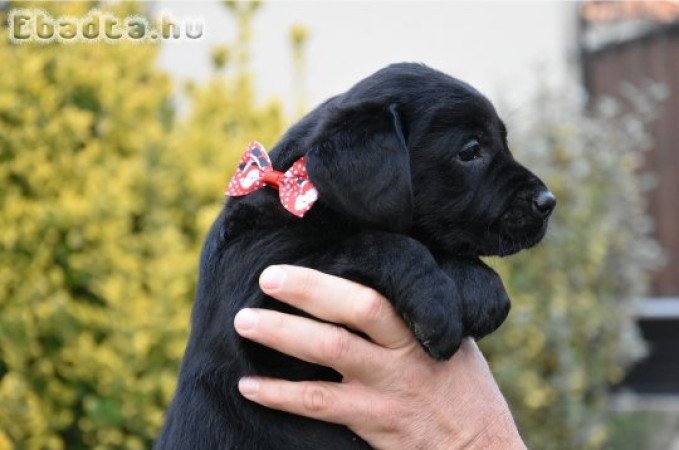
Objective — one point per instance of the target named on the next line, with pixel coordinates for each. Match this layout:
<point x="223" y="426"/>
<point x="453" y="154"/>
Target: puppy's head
<point x="413" y="150"/>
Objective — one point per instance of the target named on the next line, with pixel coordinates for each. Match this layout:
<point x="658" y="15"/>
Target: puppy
<point x="412" y="181"/>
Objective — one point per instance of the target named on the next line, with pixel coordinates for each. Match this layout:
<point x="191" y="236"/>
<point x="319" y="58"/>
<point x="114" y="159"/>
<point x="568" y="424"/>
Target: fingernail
<point x="272" y="277"/>
<point x="246" y="319"/>
<point x="248" y="386"/>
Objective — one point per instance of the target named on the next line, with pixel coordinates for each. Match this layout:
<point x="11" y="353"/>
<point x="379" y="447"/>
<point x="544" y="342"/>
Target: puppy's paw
<point x="437" y="323"/>
<point x="490" y="317"/>
<point x="440" y="343"/>
<point x="486" y="305"/>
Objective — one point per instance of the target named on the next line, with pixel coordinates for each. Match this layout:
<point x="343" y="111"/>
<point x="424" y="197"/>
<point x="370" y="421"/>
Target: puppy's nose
<point x="544" y="202"/>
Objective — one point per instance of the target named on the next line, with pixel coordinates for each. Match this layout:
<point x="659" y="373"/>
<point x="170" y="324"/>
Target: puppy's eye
<point x="471" y="151"/>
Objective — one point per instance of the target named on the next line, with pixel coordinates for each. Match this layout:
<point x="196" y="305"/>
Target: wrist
<point x="500" y="433"/>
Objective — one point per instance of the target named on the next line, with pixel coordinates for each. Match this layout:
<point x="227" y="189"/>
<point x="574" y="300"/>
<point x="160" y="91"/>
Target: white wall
<point x="501" y="47"/>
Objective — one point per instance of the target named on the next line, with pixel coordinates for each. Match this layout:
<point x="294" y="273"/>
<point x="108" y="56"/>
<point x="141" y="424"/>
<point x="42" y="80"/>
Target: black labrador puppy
<point x="415" y="181"/>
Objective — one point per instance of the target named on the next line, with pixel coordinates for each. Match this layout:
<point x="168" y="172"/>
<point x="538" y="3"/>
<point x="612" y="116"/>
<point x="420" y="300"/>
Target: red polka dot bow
<point x="255" y="171"/>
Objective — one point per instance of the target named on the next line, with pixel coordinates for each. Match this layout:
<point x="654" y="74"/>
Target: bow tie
<point x="295" y="190"/>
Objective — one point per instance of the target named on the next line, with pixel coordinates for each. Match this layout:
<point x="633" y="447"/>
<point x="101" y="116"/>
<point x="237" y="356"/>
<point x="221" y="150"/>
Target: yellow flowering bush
<point x="105" y="200"/>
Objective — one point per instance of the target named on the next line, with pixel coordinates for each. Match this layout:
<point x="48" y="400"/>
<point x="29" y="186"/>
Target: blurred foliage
<point x="299" y="35"/>
<point x="647" y="430"/>
<point x="106" y="197"/>
<point x="220" y="56"/>
<point x="107" y="193"/>
<point x="90" y="257"/>
<point x="570" y="334"/>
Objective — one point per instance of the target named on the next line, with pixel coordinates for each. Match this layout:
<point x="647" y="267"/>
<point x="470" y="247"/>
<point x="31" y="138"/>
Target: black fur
<point x="415" y="181"/>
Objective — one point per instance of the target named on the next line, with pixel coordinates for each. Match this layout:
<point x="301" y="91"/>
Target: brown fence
<point x="653" y="55"/>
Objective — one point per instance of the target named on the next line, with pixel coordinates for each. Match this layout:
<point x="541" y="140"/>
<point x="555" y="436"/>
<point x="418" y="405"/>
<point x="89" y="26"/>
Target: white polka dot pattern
<point x="296" y="192"/>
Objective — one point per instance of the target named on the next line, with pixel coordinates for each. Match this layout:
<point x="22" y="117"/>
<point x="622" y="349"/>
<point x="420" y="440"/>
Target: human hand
<point x="392" y="394"/>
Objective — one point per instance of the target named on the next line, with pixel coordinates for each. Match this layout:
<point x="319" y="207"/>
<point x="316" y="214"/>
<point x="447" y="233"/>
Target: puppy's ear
<point x="360" y="165"/>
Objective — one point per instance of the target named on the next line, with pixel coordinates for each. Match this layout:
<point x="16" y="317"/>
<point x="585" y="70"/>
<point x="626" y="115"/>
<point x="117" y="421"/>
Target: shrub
<point x="570" y="333"/>
<point x="106" y="198"/>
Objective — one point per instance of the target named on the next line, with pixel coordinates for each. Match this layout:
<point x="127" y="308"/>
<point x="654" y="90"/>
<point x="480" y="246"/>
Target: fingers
<point x="331" y="402"/>
<point x="312" y="341"/>
<point x="337" y="300"/>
